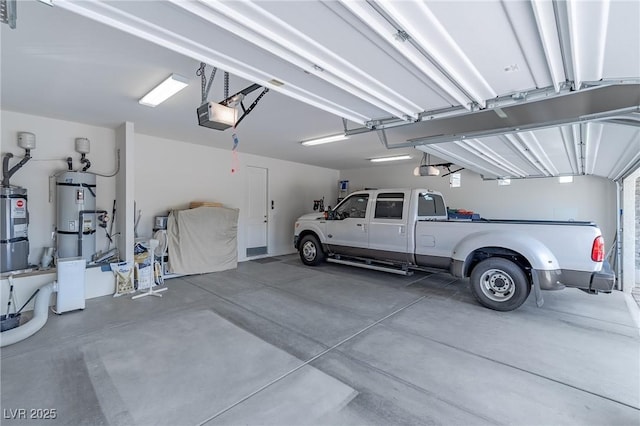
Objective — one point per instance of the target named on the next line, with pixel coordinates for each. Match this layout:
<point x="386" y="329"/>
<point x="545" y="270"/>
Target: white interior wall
<point x="55" y="141"/>
<point x="170" y="174"/>
<point x="587" y="198"/>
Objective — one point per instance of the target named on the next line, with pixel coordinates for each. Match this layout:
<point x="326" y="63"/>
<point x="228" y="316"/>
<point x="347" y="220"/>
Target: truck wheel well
<point x="305" y="233"/>
<point x="483" y="253"/>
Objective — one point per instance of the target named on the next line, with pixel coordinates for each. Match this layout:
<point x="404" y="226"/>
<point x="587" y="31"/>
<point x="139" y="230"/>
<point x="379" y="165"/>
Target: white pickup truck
<point x="398" y="230"/>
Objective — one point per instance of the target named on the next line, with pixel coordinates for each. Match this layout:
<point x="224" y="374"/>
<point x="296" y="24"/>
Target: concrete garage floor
<point x="275" y="342"/>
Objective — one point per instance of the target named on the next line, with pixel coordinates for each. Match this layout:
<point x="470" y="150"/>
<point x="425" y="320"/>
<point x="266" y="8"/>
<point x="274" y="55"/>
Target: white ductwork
<point x="40" y="315"/>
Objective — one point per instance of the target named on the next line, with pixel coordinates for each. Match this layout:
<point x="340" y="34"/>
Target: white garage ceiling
<point x="377" y="64"/>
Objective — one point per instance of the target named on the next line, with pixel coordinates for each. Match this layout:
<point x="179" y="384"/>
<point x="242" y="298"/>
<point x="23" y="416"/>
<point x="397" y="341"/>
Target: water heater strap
<point x="14" y="196"/>
<point x="14" y="240"/>
<point x="86" y="185"/>
<point x="93" y="231"/>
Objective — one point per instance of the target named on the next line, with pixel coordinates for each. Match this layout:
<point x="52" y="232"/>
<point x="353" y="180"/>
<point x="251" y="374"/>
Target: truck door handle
<point x="401" y="229"/>
<point x="358" y="224"/>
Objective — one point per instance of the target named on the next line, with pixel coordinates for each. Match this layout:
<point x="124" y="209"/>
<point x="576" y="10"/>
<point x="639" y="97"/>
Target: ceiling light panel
<point x="324" y="140"/>
<point x="163" y="91"/>
<point x="387" y="159"/>
<point x="269" y="32"/>
<point x="417" y="19"/>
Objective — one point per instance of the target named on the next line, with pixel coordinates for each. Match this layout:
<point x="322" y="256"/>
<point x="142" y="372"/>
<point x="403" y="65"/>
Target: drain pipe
<point x="40" y="316"/>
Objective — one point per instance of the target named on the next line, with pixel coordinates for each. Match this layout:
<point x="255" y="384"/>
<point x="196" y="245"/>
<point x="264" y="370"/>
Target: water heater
<point x="14" y="245"/>
<point x="14" y="216"/>
<point x="76" y="214"/>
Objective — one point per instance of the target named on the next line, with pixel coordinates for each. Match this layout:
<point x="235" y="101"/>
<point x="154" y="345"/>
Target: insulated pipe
<point x="40" y="316"/>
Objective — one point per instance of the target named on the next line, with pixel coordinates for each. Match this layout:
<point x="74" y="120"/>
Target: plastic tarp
<point x="203" y="240"/>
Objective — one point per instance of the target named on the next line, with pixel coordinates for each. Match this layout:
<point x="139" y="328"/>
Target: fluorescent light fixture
<point x="163" y="91"/>
<point x="324" y="139"/>
<point x="565" y="179"/>
<point x="395" y="158"/>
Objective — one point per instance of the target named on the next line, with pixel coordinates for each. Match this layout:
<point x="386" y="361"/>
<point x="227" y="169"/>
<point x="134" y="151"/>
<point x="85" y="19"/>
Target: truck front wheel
<point x="310" y="251"/>
<point x="499" y="284"/>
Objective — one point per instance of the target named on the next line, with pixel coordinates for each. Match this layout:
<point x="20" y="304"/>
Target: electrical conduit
<point x="40" y="316"/>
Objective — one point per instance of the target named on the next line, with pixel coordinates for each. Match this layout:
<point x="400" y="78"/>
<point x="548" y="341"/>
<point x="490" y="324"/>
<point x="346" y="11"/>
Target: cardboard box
<point x="195" y="204"/>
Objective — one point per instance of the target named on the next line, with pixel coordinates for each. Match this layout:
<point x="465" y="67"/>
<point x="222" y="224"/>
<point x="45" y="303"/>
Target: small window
<point x="354" y="206"/>
<point x="389" y="205"/>
<point x="431" y="205"/>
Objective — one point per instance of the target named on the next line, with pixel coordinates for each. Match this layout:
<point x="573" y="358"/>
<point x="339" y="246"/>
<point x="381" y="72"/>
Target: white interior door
<point x="256" y="211"/>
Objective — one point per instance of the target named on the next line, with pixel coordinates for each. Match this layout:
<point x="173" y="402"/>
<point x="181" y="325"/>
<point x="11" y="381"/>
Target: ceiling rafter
<point x="568" y="141"/>
<point x="489" y="155"/>
<point x="466" y="163"/>
<point x="628" y="158"/>
<point x="435" y="60"/>
<point x="523" y="148"/>
<point x="593" y="139"/>
<point x="423" y="27"/>
<point x="386" y="30"/>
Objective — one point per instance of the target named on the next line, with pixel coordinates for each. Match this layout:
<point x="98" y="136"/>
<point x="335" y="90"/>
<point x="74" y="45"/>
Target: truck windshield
<point x="431" y="205"/>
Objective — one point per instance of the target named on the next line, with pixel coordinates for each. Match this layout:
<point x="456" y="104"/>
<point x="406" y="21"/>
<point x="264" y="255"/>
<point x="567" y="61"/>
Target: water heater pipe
<point x="40" y="316"/>
<point x="6" y="172"/>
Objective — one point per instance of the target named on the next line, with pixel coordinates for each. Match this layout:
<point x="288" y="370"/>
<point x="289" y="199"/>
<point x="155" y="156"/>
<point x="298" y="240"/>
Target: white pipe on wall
<point x="40" y="316"/>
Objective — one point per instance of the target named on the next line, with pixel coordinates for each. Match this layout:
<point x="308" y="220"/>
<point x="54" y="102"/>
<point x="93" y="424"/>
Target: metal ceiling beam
<point x="596" y="103"/>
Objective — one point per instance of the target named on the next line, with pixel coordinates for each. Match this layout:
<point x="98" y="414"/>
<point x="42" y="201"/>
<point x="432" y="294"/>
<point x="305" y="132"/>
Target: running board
<point x="369" y="266"/>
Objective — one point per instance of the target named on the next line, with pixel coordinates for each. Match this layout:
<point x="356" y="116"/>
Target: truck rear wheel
<point x="310" y="251"/>
<point x="499" y="284"/>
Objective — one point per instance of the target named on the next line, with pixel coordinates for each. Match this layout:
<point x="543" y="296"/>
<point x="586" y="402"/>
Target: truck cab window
<point x="354" y="206"/>
<point x="431" y="205"/>
<point x="389" y="205"/>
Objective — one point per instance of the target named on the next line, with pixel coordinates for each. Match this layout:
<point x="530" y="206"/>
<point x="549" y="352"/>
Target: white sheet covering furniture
<point x="201" y="240"/>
